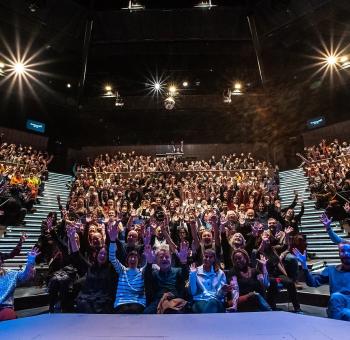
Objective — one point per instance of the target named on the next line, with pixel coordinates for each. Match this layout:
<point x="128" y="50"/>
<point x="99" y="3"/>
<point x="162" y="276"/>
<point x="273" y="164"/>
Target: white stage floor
<point x="262" y="326"/>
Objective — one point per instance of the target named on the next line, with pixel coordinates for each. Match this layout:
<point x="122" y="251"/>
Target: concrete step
<point x="326" y="256"/>
<point x="312" y="230"/>
<point x="321" y="236"/>
<point x="6" y="248"/>
<point x="311" y="223"/>
<point x="319" y="243"/>
<point x="324" y="249"/>
<point x="23" y="229"/>
<point x="45" y="208"/>
<point x="34" y="224"/>
<point x="37" y="214"/>
<point x="30" y="233"/>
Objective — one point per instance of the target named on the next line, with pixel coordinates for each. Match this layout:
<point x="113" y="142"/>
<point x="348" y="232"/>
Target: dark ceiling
<point x="211" y="49"/>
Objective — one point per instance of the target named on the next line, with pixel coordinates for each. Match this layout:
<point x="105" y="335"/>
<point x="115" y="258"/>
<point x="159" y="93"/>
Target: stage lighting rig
<point x="205" y="4"/>
<point x="135" y="5"/>
<point x="119" y="102"/>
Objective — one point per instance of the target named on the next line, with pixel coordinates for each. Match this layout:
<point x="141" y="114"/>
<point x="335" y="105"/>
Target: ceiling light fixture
<point x="135" y="5"/>
<point x="205" y="4"/>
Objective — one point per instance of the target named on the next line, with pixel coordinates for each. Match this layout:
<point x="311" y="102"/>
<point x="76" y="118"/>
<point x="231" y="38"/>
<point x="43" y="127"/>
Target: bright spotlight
<point x="108" y="88"/>
<point x="69" y="85"/>
<point x="331" y="60"/>
<point x="172" y="89"/>
<point x="185" y="84"/>
<point x="19" y="68"/>
<point x="157" y="86"/>
<point x="237" y="86"/>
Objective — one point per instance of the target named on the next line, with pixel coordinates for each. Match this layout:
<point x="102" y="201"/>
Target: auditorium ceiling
<point x="211" y="49"/>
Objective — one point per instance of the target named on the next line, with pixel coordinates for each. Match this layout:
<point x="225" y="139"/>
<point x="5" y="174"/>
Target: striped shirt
<point x="131" y="287"/>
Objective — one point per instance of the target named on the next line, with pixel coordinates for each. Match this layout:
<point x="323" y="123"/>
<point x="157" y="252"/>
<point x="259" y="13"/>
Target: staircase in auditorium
<point x="317" y="238"/>
<point x="56" y="185"/>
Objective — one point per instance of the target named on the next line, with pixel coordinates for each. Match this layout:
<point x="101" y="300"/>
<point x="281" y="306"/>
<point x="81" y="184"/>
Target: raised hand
<point x="147" y="236"/>
<point x="112" y="229"/>
<point x="33" y="254"/>
<point x="149" y="254"/>
<point x="257" y="228"/>
<point x="23" y="237"/>
<point x="193" y="268"/>
<point x="71" y="232"/>
<point x="49" y="224"/>
<point x="288" y="230"/>
<point x="326" y="221"/>
<point x="263" y="260"/>
<point x="347" y="207"/>
<point x="183" y="253"/>
<point x="301" y="257"/>
<point x="65" y="214"/>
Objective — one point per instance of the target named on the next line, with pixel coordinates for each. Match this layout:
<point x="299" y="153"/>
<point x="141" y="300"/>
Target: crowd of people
<point x="327" y="167"/>
<point x="149" y="235"/>
<point x="142" y="234"/>
<point x="23" y="171"/>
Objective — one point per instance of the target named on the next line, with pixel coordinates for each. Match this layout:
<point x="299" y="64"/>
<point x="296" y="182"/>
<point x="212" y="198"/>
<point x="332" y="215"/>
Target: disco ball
<point x="169" y="103"/>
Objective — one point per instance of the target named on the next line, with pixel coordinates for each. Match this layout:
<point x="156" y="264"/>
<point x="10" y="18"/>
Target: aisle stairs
<point x="56" y="185"/>
<point x="317" y="238"/>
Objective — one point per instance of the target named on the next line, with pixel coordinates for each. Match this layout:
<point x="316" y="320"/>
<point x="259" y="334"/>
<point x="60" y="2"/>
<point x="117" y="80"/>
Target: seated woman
<point x="130" y="297"/>
<point x="250" y="282"/>
<point x="97" y="286"/>
<point x="208" y="285"/>
<point x="9" y="279"/>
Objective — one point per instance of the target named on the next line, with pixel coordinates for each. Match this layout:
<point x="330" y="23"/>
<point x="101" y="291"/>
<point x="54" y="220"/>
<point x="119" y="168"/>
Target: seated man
<point x="166" y="283"/>
<point x="338" y="278"/>
<point x="8" y="282"/>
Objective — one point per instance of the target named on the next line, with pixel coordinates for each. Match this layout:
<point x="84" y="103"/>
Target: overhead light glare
<point x="19" y="68"/>
<point x="331" y="60"/>
<point x="238" y="86"/>
<point x="157" y="86"/>
<point x="172" y="89"/>
<point x="185" y="84"/>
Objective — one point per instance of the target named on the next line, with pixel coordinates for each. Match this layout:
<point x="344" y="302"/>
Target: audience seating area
<point x="142" y="234"/>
